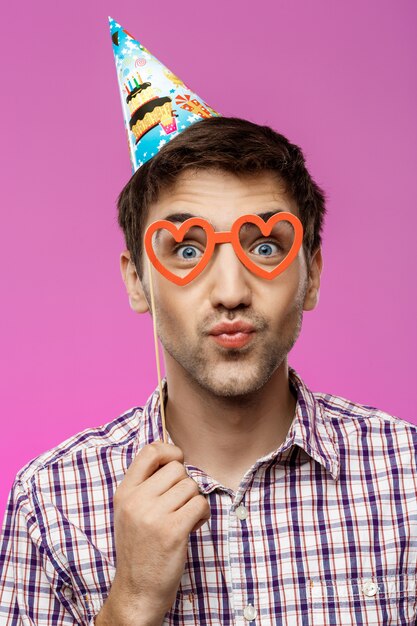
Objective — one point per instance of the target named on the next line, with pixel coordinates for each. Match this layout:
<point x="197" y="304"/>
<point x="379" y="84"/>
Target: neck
<point x="224" y="436"/>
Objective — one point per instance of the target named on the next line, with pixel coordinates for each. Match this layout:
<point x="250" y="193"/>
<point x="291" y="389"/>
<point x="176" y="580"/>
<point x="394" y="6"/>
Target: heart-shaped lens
<point x="267" y="248"/>
<point x="180" y="257"/>
<point x="179" y="252"/>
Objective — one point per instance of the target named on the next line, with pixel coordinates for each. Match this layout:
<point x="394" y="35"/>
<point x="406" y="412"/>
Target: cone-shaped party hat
<point x="156" y="104"/>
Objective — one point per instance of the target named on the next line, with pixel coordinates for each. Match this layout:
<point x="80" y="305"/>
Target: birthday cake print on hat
<point x="156" y="104"/>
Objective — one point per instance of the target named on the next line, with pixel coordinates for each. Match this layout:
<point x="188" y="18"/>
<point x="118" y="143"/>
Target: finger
<point x="179" y="494"/>
<point x="198" y="525"/>
<point x="189" y="515"/>
<point x="148" y="460"/>
<point x="163" y="479"/>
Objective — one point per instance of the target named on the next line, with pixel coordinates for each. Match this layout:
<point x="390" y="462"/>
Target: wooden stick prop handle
<point x="158" y="366"/>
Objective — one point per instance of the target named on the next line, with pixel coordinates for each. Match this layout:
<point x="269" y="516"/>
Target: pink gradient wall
<point x="338" y="78"/>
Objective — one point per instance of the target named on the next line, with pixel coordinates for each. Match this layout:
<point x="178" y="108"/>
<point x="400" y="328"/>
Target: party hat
<point x="156" y="104"/>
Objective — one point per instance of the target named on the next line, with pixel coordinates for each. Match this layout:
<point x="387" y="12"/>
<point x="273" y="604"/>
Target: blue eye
<point x="266" y="249"/>
<point x="187" y="252"/>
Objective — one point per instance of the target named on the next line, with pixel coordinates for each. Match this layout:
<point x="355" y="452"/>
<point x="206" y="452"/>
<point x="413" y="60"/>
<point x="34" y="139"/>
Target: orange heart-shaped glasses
<point x="232" y="236"/>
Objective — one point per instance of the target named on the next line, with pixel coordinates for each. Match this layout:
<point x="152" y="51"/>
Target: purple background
<point x="339" y="79"/>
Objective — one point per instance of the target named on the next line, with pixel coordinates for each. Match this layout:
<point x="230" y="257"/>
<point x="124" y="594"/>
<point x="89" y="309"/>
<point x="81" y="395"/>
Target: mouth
<point x="233" y="340"/>
<point x="233" y="334"/>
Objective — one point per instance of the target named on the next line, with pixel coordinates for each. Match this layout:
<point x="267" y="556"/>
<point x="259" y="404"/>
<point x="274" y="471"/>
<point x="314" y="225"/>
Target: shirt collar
<point x="310" y="429"/>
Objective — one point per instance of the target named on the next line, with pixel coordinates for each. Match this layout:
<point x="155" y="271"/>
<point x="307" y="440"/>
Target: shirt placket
<point x="240" y="558"/>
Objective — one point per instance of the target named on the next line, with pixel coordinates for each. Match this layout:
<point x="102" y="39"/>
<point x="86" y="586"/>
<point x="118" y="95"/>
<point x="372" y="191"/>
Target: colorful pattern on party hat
<point x="156" y="104"/>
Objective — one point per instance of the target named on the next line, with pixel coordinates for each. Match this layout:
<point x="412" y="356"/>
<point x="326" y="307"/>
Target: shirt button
<point x="250" y="612"/>
<point x="68" y="593"/>
<point x="369" y="588"/>
<point x="242" y="512"/>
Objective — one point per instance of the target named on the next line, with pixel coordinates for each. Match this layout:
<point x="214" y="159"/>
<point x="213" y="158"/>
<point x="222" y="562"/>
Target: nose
<point x="229" y="279"/>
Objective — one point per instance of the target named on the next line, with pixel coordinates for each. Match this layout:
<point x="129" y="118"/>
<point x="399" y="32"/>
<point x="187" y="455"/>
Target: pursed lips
<point x="232" y="334"/>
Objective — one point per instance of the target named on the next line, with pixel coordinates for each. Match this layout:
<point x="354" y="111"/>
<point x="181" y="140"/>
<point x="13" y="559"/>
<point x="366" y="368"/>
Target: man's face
<point x="226" y="291"/>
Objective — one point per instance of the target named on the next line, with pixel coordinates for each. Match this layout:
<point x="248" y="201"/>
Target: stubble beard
<point x="237" y="373"/>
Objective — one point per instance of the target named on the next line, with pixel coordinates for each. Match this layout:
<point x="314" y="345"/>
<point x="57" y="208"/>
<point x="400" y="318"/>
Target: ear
<point x="134" y="287"/>
<point x="311" y="298"/>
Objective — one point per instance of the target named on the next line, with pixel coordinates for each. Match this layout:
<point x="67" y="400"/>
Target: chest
<point x="304" y="551"/>
<point x="294" y="548"/>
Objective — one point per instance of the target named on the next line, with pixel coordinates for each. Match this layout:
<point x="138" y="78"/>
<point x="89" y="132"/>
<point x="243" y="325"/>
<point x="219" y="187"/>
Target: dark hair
<point x="227" y="144"/>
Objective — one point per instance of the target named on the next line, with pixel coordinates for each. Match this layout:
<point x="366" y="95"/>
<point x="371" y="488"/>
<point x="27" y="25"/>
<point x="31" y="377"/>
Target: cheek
<point x="284" y="291"/>
<point x="279" y="305"/>
<point x="174" y="308"/>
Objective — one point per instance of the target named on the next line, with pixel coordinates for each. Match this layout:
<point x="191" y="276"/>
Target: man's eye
<point x="266" y="248"/>
<point x="187" y="252"/>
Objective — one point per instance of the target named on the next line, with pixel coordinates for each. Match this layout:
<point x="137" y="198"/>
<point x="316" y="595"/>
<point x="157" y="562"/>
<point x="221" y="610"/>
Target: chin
<point x="234" y="384"/>
<point x="238" y="376"/>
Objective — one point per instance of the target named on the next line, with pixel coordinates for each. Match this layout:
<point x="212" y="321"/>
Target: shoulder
<point x="62" y="500"/>
<point x="362" y="429"/>
<point x="87" y="446"/>
<point x="343" y="410"/>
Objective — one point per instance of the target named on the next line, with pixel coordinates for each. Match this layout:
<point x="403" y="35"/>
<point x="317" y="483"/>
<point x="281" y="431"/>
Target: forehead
<point x="221" y="197"/>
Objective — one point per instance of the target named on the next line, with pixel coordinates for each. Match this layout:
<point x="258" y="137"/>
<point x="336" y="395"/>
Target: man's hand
<point x="156" y="506"/>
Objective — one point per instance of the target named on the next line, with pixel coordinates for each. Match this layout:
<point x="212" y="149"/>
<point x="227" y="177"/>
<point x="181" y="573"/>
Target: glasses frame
<point x="218" y="237"/>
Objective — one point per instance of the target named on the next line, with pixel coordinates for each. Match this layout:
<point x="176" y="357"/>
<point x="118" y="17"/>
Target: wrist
<point x="118" y="611"/>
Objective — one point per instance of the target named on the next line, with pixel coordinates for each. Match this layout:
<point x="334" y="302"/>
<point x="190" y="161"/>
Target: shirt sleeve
<point x="31" y="589"/>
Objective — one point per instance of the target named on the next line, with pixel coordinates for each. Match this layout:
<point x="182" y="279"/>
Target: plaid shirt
<point x="322" y="531"/>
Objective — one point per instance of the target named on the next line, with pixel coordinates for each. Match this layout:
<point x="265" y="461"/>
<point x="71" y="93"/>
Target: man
<point x="270" y="503"/>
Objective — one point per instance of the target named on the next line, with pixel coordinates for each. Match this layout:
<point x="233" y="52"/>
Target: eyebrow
<point x="181" y="217"/>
